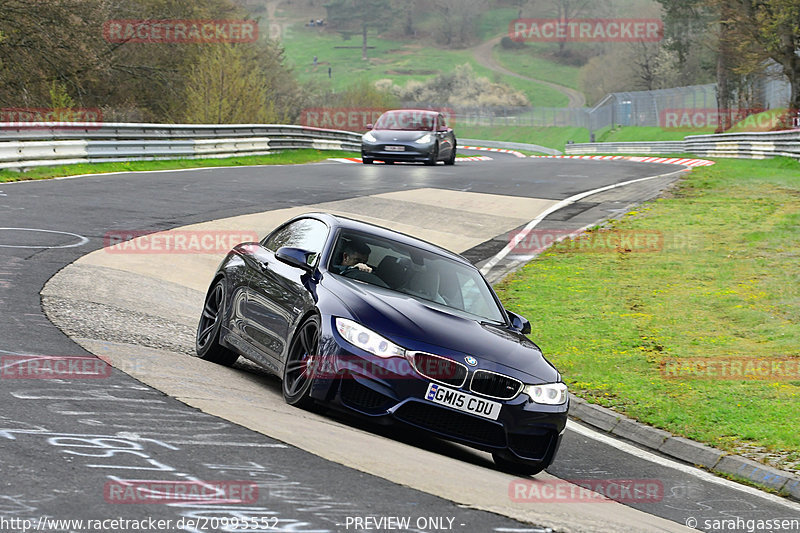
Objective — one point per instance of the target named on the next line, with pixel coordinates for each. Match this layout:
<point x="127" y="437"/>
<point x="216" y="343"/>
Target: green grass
<point x="416" y="62"/>
<point x="647" y="133"/>
<point x="495" y="22"/>
<point x="395" y="60"/>
<point x="539" y="95"/>
<point x="723" y="286"/>
<point x="526" y="62"/>
<point x="290" y="157"/>
<point x="555" y="137"/>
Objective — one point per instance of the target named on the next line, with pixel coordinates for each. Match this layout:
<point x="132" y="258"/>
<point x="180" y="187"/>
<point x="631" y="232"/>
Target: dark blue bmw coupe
<point x="376" y="322"/>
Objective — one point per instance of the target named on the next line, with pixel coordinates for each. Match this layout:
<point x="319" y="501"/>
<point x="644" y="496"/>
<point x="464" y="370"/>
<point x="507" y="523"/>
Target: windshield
<point x="406" y="120"/>
<point x="416" y="273"/>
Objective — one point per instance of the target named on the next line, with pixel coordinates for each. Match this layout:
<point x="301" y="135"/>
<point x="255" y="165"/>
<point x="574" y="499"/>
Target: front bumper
<point x="411" y="151"/>
<point x="388" y="390"/>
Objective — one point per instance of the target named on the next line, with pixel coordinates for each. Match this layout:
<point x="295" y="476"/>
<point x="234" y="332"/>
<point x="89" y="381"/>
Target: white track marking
<point x="686" y="469"/>
<point x="81" y="239"/>
<point x="560" y="205"/>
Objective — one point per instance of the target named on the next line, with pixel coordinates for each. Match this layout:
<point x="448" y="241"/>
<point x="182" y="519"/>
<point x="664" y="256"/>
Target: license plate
<point x="396" y="148"/>
<point x="463" y="402"/>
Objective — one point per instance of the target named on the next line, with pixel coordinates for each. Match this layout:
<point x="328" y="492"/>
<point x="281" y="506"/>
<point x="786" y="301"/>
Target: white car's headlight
<point x="425" y="139"/>
<point x="367" y="340"/>
<point x="369" y="137"/>
<point x="547" y="394"/>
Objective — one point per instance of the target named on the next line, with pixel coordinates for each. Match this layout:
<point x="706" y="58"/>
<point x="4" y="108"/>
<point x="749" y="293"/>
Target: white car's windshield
<point x="406" y="120"/>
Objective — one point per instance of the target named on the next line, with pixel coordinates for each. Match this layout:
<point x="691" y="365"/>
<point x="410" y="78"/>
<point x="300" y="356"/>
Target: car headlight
<point x="547" y="394"/>
<point x="425" y="139"/>
<point x="367" y="340"/>
<point x="369" y="137"/>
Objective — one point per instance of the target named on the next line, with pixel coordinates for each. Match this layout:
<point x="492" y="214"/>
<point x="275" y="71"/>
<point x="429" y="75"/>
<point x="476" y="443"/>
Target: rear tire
<point x="298" y="372"/>
<point x="515" y="467"/>
<point x="207" y="343"/>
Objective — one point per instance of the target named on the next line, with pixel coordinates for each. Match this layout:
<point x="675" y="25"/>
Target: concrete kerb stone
<point x="647" y="436"/>
<point x="792" y="488"/>
<point x="753" y="471"/>
<point x="692" y="452"/>
<point x="594" y="415"/>
<point x="602" y="418"/>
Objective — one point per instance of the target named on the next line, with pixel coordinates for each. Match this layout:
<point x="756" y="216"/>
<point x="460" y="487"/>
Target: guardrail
<point x="655" y="147"/>
<point x="509" y="146"/>
<point x="747" y="145"/>
<point x="46" y="144"/>
<point x="753" y="145"/>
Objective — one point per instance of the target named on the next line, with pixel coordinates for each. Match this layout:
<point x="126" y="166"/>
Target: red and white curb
<point x="459" y="159"/>
<point x="638" y="159"/>
<point x="500" y="150"/>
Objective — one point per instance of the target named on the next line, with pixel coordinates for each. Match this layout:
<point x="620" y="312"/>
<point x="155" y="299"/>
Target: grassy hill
<point x="396" y="60"/>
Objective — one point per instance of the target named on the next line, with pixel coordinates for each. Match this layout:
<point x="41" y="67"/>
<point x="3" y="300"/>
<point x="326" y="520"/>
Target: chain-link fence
<point x="661" y="108"/>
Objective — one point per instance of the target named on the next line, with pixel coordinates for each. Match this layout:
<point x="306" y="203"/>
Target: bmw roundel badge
<point x="471" y="361"/>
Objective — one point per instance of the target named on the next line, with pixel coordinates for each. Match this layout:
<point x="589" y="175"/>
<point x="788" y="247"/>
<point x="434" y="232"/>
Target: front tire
<point x="515" y="467"/>
<point x="434" y="157"/>
<point x="367" y="160"/>
<point x="452" y="159"/>
<point x="207" y="343"/>
<point x="298" y="372"/>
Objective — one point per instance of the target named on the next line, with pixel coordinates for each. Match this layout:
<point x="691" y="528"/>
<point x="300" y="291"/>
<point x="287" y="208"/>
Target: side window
<point x="307" y="233"/>
<point x="442" y="124"/>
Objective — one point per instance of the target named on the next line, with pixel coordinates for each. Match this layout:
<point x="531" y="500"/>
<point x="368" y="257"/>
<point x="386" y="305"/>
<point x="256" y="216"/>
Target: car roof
<point x="341" y="222"/>
<point x="426" y="111"/>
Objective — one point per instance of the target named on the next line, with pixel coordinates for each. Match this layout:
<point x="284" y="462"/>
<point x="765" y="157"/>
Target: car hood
<point x="419" y="325"/>
<point x="398" y="135"/>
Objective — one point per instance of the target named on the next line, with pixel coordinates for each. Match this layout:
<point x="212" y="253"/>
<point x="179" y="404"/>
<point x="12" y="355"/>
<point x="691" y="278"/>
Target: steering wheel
<point x="368" y="277"/>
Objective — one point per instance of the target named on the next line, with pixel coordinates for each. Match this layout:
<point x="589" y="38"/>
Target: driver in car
<point x="355" y="254"/>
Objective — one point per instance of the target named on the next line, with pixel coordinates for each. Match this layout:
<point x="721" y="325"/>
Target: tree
<point x="225" y="86"/>
<point x="765" y="29"/>
<point x="348" y="16"/>
<point x="50" y="41"/>
<point x="686" y="25"/>
<point x="567" y="10"/>
<point x="457" y="19"/>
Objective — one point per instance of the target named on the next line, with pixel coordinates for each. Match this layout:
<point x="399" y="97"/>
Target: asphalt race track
<point x="163" y="415"/>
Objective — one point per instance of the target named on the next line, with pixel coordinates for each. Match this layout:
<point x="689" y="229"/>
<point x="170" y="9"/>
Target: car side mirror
<point x="370" y="126"/>
<point x="519" y="323"/>
<point x="296" y="257"/>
